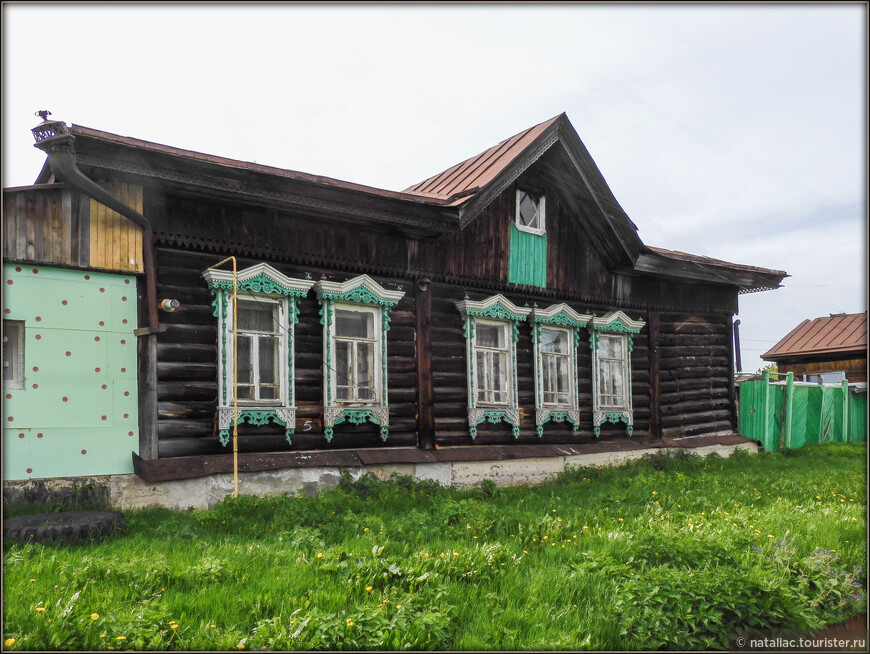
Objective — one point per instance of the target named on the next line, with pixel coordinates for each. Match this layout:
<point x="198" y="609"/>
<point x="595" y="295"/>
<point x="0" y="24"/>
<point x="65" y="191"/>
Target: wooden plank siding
<point x="55" y="224"/>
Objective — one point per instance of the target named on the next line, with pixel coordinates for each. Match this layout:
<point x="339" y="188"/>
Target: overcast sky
<point x="733" y="131"/>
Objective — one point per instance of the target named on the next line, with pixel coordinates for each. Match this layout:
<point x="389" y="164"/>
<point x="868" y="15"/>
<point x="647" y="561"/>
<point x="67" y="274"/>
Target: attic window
<point x="530" y="212"/>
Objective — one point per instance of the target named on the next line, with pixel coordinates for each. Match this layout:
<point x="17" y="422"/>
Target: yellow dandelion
<point x="545" y="538"/>
<point x="398" y="606"/>
<point x="474" y="537"/>
<point x="468" y="526"/>
<point x="585" y="527"/>
<point x="654" y="493"/>
<point x="212" y="626"/>
<point x="366" y="529"/>
<point x="554" y="510"/>
<point x="95" y="616"/>
<point x="9" y="642"/>
<point x="455" y="553"/>
<point x="173" y="626"/>
<point x="442" y="555"/>
<point x="525" y="552"/>
<point x="369" y="588"/>
<point x="40" y="609"/>
<point x="349" y="622"/>
<point x="770" y="535"/>
<point x="620" y="519"/>
<point x="110" y="647"/>
<point x="320" y="555"/>
<point x="426" y="554"/>
<point x="102" y="635"/>
<point x="240" y="646"/>
<point x="121" y="638"/>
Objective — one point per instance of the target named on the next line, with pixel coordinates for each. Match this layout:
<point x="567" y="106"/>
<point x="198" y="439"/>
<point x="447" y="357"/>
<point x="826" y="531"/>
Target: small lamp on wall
<point x="169" y="305"/>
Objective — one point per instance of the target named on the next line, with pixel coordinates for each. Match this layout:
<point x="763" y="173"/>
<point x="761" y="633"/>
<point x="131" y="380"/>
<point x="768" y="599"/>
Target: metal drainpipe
<point x="54" y="138"/>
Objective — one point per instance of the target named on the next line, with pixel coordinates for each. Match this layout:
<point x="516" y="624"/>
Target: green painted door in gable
<point x="527" y="261"/>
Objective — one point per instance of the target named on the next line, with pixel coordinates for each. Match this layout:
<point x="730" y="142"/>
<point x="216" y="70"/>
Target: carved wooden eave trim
<point x="396" y="218"/>
<point x="338" y="290"/>
<point x="550" y="313"/>
<point x="612" y="320"/>
<point x="293" y="286"/>
<point x="489" y="306"/>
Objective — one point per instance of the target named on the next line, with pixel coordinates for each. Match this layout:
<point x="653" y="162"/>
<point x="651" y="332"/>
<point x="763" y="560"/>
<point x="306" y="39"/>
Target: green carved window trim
<point x="614" y="323"/>
<point x="260" y="284"/>
<point x="499" y="310"/>
<point x="560" y="316"/>
<point x="359" y="293"/>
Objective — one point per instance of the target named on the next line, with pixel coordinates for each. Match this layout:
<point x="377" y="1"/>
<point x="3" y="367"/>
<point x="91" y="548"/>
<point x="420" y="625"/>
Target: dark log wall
<point x="695" y="374"/>
<point x="450" y="390"/>
<point x="187" y="367"/>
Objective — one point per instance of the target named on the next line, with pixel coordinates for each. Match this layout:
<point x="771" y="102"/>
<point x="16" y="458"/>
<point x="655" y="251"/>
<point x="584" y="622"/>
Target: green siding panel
<point x="78" y="411"/>
<point x="527" y="261"/>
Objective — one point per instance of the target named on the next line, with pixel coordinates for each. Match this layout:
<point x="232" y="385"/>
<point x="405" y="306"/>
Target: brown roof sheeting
<point x="697" y="258"/>
<point x="458" y="182"/>
<point x="245" y="165"/>
<point x="835" y="334"/>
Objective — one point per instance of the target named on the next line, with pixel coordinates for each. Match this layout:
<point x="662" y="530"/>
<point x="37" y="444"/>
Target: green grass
<point x="672" y="552"/>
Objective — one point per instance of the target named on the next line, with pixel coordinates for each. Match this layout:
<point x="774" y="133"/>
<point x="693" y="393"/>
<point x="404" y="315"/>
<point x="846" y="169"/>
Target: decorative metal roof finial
<point x="43" y="113"/>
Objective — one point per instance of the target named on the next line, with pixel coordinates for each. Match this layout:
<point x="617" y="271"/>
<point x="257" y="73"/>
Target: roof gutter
<point x="55" y="139"/>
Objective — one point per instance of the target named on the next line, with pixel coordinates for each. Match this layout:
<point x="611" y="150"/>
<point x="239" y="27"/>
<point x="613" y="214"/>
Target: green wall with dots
<point x="77" y="413"/>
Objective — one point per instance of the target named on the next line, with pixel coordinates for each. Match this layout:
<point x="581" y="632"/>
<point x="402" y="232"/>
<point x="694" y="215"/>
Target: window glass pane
<point x="554" y="340"/>
<point x="256" y="318"/>
<point x="245" y="392"/>
<point x="610" y="347"/>
<point x="354" y="324"/>
<point x="528" y="211"/>
<point x="268" y="392"/>
<point x="364" y="364"/>
<point x="343" y="363"/>
<point x="244" y="359"/>
<point x="556" y="379"/>
<point x="489" y="335"/>
<point x="483" y="376"/>
<point x="268" y="360"/>
<point x="12" y="354"/>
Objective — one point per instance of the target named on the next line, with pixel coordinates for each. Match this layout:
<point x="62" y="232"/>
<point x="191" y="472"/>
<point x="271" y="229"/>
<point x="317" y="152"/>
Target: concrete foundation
<point x="131" y="492"/>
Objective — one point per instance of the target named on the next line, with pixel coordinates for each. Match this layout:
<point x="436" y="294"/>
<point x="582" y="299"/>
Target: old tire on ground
<point x="71" y="526"/>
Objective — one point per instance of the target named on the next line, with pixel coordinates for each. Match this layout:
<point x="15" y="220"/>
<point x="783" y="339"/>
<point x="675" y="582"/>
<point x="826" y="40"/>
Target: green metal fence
<point x="791" y="414"/>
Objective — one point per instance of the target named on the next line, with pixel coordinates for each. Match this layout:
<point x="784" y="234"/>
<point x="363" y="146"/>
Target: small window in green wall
<point x="527" y="259"/>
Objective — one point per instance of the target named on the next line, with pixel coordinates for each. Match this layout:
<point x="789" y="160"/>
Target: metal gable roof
<point x="458" y="182"/>
<point x="837" y="333"/>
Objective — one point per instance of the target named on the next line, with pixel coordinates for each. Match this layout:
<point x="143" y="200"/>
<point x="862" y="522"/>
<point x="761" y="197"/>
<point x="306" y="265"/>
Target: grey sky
<point x="734" y="131"/>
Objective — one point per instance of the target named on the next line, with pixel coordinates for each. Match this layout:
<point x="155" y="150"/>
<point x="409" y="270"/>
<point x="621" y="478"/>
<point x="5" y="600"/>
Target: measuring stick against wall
<point x="235" y="378"/>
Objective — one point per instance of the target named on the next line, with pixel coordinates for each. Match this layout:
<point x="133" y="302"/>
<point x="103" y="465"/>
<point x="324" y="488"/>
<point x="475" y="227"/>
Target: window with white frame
<point x="612" y="371"/>
<point x="493" y="363"/>
<point x="530" y="212"/>
<point x="357" y="354"/>
<point x="556" y="364"/>
<point x="356" y="319"/>
<point x="491" y="334"/>
<point x="555" y="332"/>
<point x="13" y="354"/>
<point x="262" y="357"/>
<point x="256" y="311"/>
<point x="611" y="340"/>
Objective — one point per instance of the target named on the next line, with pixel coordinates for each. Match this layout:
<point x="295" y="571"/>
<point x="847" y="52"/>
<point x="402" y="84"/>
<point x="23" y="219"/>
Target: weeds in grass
<point x="669" y="551"/>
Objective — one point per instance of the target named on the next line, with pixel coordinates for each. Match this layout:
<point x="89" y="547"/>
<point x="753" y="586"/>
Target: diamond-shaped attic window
<point x="530" y="212"/>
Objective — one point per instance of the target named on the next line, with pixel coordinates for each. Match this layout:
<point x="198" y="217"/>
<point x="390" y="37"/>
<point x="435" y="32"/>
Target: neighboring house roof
<point x="837" y="334"/>
<point x="440" y="204"/>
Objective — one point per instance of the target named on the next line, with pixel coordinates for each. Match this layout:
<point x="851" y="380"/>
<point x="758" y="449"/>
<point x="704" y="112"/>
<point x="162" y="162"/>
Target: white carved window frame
<point x="615" y="324"/>
<point x="541" y="229"/>
<point x="13" y="354"/>
<point x="493" y="310"/>
<point x="379" y="342"/>
<point x="361" y="292"/>
<point x="260" y="284"/>
<point x="561" y="317"/>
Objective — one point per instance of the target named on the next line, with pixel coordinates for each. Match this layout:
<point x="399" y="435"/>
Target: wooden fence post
<point x="846" y="437"/>
<point x="765" y="409"/>
<point x="789" y="406"/>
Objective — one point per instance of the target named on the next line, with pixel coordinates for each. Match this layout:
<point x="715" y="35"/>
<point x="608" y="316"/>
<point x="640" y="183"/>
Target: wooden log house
<point x="507" y="302"/>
